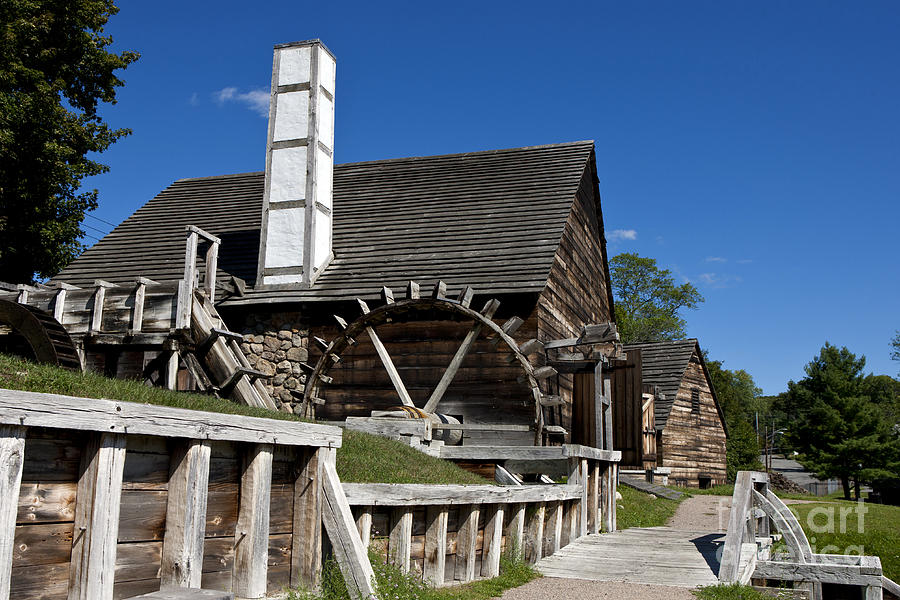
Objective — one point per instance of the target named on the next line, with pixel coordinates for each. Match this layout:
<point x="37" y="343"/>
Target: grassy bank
<point x="842" y="528"/>
<point x="639" y="509"/>
<point x="363" y="458"/>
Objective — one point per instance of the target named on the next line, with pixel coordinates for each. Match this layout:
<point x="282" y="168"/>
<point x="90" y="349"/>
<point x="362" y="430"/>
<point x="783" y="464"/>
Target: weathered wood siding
<point x="694" y="442"/>
<point x="627" y="401"/>
<point x="577" y="292"/>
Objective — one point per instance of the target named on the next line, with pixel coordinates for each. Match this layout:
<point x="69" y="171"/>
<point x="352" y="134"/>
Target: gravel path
<point x="549" y="588"/>
<point x="702" y="513"/>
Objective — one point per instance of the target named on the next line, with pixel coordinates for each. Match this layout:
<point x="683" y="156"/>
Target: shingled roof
<point x="492" y="220"/>
<point x="663" y="365"/>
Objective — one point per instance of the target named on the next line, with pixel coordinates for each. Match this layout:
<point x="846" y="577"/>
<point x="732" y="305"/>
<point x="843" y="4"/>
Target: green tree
<point x="739" y="398"/>
<point x="648" y="301"/>
<point x="837" y="429"/>
<point x="55" y="70"/>
<point x="895" y="348"/>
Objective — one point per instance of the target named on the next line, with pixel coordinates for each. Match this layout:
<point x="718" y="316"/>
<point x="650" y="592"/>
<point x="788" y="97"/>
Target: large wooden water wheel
<point x="482" y="330"/>
<point x="33" y="333"/>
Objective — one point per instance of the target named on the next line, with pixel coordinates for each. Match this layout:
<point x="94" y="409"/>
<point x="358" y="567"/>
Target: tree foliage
<point x="55" y="70"/>
<point x="739" y="398"/>
<point x="834" y="423"/>
<point x="895" y="347"/>
<point x="648" y="301"/>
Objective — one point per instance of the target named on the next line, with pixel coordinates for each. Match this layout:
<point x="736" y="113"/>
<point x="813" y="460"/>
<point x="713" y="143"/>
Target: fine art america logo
<point x="821" y="519"/>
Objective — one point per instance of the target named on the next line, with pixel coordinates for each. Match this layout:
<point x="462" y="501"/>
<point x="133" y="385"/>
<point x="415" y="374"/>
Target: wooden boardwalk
<point x="652" y="555"/>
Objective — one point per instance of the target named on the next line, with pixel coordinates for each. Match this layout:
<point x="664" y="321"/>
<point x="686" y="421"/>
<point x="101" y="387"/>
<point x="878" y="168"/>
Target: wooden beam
<point x="435" y="544"/>
<point x="400" y="541"/>
<point x="466" y="539"/>
<point x="99" y="299"/>
<point x="306" y="541"/>
<point x="493" y="538"/>
<point x="35" y="409"/>
<point x="364" y="525"/>
<point x="584" y="504"/>
<point x="182" y="553"/>
<point x="212" y="263"/>
<point x="351" y="555"/>
<point x="594" y="498"/>
<point x="251" y="536"/>
<point x="490" y="307"/>
<point x="515" y="530"/>
<point x="439" y="291"/>
<point x="412" y="290"/>
<point x="453" y="368"/>
<point x="599" y="423"/>
<point x="465" y="296"/>
<point x="59" y="304"/>
<point x="534" y="533"/>
<point x="12" y="458"/>
<point x="392" y="372"/>
<point x="553" y="535"/>
<point x="387" y="295"/>
<point x="97" y="502"/>
<point x="406" y="495"/>
<point x="172" y="370"/>
<point x="607" y="413"/>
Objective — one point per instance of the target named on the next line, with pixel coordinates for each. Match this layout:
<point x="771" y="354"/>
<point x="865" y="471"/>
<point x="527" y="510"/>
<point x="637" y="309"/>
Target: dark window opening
<point x="705" y="483"/>
<point x="695" y="401"/>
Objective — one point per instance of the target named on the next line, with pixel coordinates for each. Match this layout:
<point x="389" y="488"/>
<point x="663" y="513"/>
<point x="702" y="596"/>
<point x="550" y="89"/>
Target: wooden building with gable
<point x="690" y="424"/>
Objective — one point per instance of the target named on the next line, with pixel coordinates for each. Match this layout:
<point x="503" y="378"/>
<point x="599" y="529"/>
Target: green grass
<point x="879" y="535"/>
<point x="20" y="374"/>
<point x="638" y="509"/>
<point x="733" y="591"/>
<point x="363" y="458"/>
<point x="392" y="584"/>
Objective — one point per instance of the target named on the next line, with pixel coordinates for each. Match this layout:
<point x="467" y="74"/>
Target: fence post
<point x="306" y="542"/>
<point x="466" y="539"/>
<point x="251" y="537"/>
<point x="435" y="544"/>
<point x="182" y="554"/>
<point x="12" y="457"/>
<point x="493" y="539"/>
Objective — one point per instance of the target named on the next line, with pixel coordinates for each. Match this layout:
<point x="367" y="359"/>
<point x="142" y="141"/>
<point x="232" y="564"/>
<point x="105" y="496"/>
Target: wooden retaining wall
<point x="102" y="499"/>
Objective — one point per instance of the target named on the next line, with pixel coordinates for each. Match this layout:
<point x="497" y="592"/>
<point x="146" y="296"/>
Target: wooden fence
<point x="756" y="513"/>
<point x="102" y="499"/>
<point x="456" y="533"/>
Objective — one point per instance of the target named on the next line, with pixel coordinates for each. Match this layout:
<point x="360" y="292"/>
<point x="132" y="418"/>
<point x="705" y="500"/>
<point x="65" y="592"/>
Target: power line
<point x="99" y="219"/>
<point x="95" y="229"/>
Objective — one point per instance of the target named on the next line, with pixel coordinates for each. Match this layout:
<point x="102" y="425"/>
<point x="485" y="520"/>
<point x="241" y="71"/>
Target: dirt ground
<point x="549" y="588"/>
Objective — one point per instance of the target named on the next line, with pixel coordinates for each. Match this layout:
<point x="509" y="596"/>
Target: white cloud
<point x="716" y="259"/>
<point x="717" y="281"/>
<point x="255" y="100"/>
<point x="623" y="234"/>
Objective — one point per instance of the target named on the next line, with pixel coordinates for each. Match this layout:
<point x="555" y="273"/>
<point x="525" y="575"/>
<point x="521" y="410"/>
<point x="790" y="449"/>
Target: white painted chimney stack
<point x="295" y="239"/>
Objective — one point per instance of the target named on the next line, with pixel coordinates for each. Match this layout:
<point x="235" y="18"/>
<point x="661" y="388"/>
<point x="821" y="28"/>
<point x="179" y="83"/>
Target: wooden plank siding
<point x="694" y="442"/>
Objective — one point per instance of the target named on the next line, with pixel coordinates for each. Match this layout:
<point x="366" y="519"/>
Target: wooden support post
<point x="515" y="530"/>
<point x="598" y="432"/>
<point x="364" y="525"/>
<point x="59" y="300"/>
<point x="338" y="519"/>
<point x="435" y="544"/>
<point x="607" y="413"/>
<point x="400" y="542"/>
<point x="306" y="541"/>
<point x="493" y="540"/>
<point x="573" y="514"/>
<point x="604" y="497"/>
<point x="251" y="536"/>
<point x="874" y="592"/>
<point x="455" y="363"/>
<point x="212" y="263"/>
<point x="583" y="506"/>
<point x="466" y="539"/>
<point x="534" y="533"/>
<point x="137" y="312"/>
<point x="389" y="367"/>
<point x="190" y="258"/>
<point x="729" y="568"/>
<point x="97" y="501"/>
<point x="99" y="299"/>
<point x="553" y="532"/>
<point x="172" y="370"/>
<point x="12" y="457"/>
<point x="182" y="553"/>
<point x="594" y="498"/>
<point x="22" y="297"/>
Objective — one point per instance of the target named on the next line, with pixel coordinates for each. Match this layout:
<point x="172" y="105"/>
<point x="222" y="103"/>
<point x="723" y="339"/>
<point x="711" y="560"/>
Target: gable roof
<point x="663" y="365"/>
<point x="492" y="220"/>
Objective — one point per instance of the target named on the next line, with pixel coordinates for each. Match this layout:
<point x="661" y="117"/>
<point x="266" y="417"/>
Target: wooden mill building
<point x="297" y="246"/>
<point x="690" y="425"/>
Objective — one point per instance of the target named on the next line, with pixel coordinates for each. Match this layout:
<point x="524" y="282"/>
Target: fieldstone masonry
<point x="276" y="344"/>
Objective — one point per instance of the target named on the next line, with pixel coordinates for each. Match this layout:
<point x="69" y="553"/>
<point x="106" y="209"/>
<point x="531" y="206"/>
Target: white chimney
<point x="295" y="240"/>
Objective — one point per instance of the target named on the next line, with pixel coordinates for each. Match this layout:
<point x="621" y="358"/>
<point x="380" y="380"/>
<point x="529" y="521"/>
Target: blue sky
<point x="752" y="148"/>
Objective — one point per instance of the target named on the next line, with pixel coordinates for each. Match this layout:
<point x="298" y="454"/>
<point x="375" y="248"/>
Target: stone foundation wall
<point x="276" y="344"/>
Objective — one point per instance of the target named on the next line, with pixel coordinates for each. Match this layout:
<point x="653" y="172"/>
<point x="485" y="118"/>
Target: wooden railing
<point x="456" y="533"/>
<point x="756" y="513"/>
<point x="102" y="499"/>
